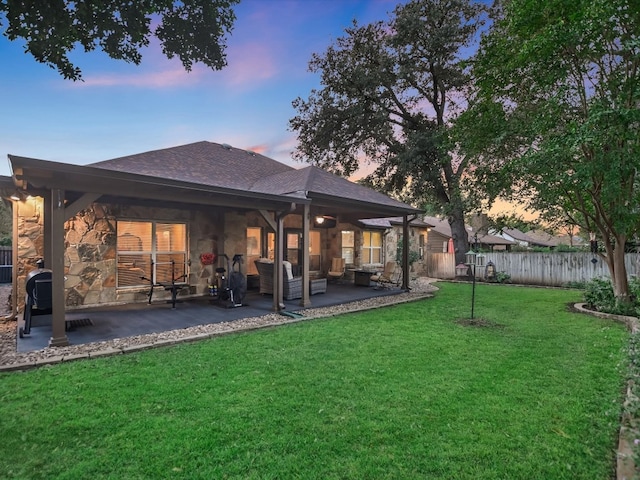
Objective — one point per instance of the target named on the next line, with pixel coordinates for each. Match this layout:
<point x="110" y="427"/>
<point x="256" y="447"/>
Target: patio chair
<point x="292" y="286"/>
<point x="388" y="277"/>
<point x="336" y="272"/>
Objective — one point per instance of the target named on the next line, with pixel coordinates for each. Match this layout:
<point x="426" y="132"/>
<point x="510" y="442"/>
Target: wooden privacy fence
<point x="441" y="265"/>
<point x="534" y="268"/>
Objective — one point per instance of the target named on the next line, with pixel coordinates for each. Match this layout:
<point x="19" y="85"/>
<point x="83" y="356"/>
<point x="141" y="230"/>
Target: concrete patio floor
<point x="108" y="323"/>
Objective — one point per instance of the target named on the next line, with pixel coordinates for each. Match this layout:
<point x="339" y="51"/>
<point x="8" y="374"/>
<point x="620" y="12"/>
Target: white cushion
<point x="287" y="269"/>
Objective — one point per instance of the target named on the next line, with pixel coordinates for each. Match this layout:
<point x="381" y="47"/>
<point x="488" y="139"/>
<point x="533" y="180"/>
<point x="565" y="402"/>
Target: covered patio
<point x="202" y="198"/>
<point x="104" y="323"/>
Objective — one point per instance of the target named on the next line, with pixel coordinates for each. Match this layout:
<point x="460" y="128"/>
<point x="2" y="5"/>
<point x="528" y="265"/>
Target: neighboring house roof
<point x="443" y="228"/>
<point x="524" y="238"/>
<point x="488" y="239"/>
<point x="439" y="225"/>
<point x="543" y="238"/>
<point x="556" y="240"/>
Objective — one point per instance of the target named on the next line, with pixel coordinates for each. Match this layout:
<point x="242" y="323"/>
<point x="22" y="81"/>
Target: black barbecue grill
<point x="38" y="302"/>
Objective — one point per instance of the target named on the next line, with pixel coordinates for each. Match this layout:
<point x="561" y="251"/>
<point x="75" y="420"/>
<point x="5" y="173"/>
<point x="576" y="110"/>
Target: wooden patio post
<point x="405" y="252"/>
<point x="305" y="301"/>
<point x="46" y="210"/>
<point x="56" y="263"/>
<point x="278" y="284"/>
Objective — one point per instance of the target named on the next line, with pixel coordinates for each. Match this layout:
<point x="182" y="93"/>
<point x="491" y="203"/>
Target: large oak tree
<point x="389" y="91"/>
<point x="556" y="121"/>
<point x="192" y="30"/>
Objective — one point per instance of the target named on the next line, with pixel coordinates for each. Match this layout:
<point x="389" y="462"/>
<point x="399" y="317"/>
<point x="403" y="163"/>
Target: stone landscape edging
<point x="625" y="464"/>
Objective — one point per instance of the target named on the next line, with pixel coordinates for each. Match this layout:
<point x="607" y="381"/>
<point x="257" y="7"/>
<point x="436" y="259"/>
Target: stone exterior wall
<point x="394" y="235"/>
<point x="90" y="247"/>
<point x="30" y="242"/>
<point x="90" y="250"/>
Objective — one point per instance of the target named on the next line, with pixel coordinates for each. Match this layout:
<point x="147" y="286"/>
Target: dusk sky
<point x="122" y="109"/>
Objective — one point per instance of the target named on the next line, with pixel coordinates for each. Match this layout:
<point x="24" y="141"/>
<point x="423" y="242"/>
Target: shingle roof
<point x="439" y="225"/>
<point x="443" y="228"/>
<point x="418" y="222"/>
<point x="221" y="165"/>
<point x="530" y="239"/>
<point x="314" y="181"/>
<point x="376" y="222"/>
<point x="206" y="163"/>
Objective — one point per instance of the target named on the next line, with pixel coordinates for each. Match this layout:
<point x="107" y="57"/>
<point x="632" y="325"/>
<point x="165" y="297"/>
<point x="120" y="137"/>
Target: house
<point x="392" y="231"/>
<point x="440" y="240"/>
<point x="110" y="229"/>
<point x="525" y="240"/>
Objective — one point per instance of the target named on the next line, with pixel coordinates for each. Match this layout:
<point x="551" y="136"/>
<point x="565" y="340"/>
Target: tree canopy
<point x="389" y="91"/>
<point x="193" y="30"/>
<point x="556" y="119"/>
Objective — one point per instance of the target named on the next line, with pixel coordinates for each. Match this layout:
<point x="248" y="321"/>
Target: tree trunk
<point x="618" y="269"/>
<point x="459" y="234"/>
<point x="619" y="276"/>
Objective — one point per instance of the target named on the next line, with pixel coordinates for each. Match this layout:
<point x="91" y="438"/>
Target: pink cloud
<point x="158" y="79"/>
<point x="261" y="149"/>
<point x="249" y="64"/>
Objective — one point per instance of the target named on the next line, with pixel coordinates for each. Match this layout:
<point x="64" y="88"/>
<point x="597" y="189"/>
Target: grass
<point x="399" y="392"/>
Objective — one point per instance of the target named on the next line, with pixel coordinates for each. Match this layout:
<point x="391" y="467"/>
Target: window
<point x="293" y="250"/>
<point x="422" y="243"/>
<point x="150" y="251"/>
<point x="348" y="242"/>
<point x="254" y="249"/>
<point x="371" y="247"/>
<point x="315" y="251"/>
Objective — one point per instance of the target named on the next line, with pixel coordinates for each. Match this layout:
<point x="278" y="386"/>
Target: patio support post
<point x="405" y="252"/>
<point x="305" y="301"/>
<point x="46" y="210"/>
<point x="56" y="264"/>
<point x="278" y="290"/>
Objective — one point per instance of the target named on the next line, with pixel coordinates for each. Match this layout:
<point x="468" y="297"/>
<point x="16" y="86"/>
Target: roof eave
<point x="47" y="174"/>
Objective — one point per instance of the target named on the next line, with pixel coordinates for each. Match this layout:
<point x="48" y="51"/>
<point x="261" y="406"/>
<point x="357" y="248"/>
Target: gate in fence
<point x="6" y="264"/>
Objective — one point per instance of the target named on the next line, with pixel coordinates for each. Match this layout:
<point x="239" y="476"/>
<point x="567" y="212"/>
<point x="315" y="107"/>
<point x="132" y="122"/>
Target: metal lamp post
<point x="474" y="260"/>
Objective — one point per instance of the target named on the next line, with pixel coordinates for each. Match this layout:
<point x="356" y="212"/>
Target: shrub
<point x="413" y="255"/>
<point x="569" y="248"/>
<point x="503" y="277"/>
<point x="598" y="294"/>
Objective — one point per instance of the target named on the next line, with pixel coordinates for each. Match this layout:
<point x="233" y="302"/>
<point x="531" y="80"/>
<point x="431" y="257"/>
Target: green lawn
<point x="400" y="392"/>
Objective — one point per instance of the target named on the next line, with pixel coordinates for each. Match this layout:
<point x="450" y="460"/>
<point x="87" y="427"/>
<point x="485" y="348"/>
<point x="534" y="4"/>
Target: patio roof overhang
<point x="39" y="176"/>
<point x="353" y="209"/>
